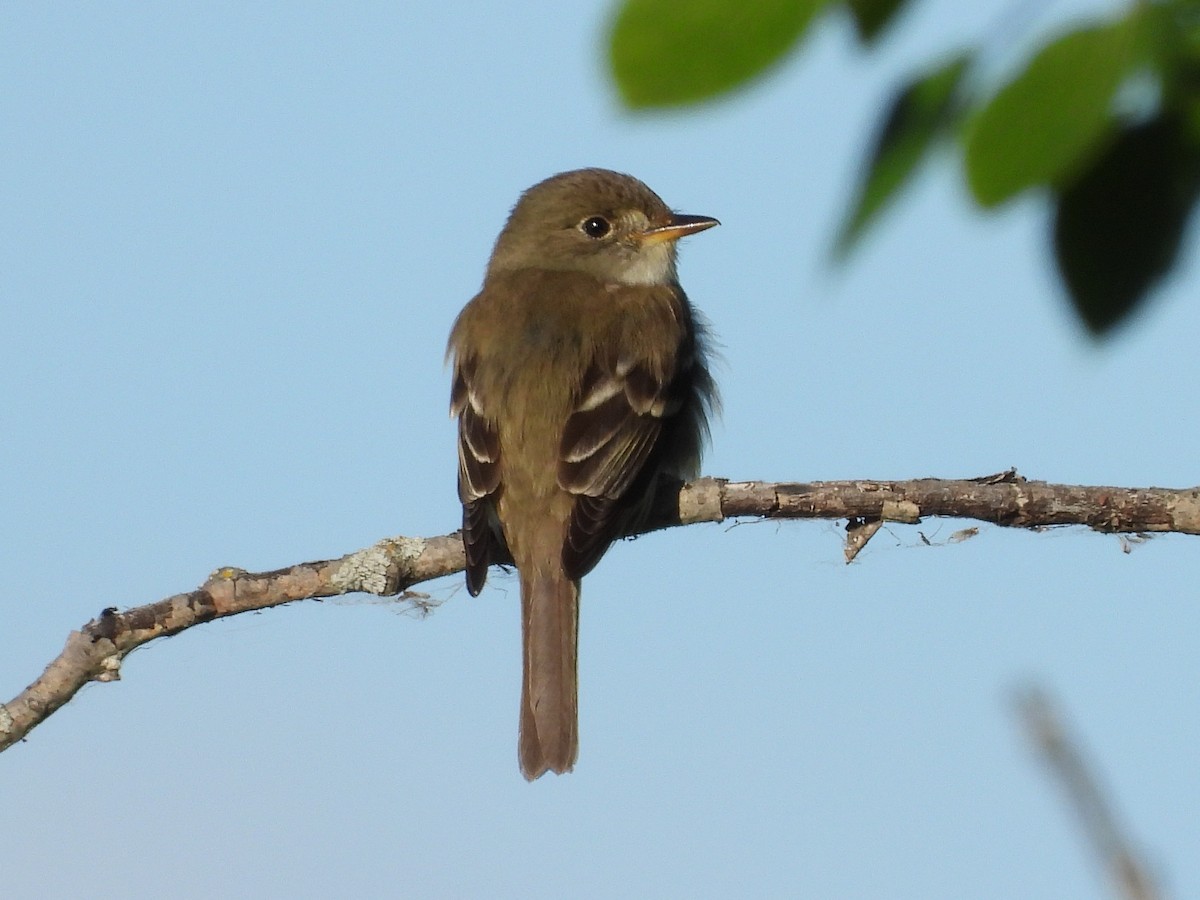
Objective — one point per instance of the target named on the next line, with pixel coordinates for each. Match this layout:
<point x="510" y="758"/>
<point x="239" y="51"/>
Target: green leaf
<point x="675" y="52"/>
<point x="1118" y="227"/>
<point x="923" y="111"/>
<point x="1046" y="123"/>
<point x="872" y="16"/>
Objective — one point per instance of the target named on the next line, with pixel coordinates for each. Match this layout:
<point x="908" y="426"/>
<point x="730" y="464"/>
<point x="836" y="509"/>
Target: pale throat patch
<point x="653" y="263"/>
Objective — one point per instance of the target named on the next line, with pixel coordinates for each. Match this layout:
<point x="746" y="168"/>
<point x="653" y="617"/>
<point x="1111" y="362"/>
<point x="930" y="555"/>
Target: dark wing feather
<point x="604" y="448"/>
<point x="593" y="521"/>
<point x="478" y="540"/>
<point x="478" y="477"/>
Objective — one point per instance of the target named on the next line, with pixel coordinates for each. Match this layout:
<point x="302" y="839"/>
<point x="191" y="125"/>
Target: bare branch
<point x="94" y="653"/>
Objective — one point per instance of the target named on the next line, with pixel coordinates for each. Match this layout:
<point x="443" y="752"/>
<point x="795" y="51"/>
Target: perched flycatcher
<point x="579" y="381"/>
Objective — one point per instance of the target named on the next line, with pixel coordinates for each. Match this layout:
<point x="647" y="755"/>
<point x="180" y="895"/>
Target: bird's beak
<point x="677" y="227"/>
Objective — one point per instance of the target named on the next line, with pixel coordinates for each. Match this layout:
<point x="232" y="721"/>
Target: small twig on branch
<point x="394" y="564"/>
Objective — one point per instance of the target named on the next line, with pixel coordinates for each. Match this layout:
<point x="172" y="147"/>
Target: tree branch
<point x="392" y="565"/>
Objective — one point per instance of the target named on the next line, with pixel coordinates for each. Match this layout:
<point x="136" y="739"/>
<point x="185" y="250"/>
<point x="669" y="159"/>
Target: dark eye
<point x="595" y="226"/>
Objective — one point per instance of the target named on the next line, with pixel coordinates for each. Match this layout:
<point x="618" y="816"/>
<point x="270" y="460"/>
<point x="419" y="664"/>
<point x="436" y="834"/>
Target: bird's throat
<point x="651" y="264"/>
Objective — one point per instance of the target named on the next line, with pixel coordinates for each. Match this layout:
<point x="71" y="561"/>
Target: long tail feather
<point x="549" y="740"/>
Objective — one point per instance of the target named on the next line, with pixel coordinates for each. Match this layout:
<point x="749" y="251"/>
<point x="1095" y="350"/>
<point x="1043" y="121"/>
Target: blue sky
<point x="232" y="243"/>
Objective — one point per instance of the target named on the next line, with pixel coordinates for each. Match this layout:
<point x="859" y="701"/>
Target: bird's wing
<point x="605" y="445"/>
<point x="478" y="473"/>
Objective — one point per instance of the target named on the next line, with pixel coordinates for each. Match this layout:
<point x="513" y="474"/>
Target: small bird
<point x="579" y="380"/>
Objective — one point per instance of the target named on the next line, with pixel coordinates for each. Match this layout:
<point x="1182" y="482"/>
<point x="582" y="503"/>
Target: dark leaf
<point x="923" y="111"/>
<point x="1117" y="228"/>
<point x="872" y="16"/>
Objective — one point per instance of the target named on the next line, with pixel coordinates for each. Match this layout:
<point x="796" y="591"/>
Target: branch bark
<point x="392" y="565"/>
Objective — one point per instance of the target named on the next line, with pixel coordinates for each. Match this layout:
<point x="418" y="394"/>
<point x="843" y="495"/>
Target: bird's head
<point x="596" y="221"/>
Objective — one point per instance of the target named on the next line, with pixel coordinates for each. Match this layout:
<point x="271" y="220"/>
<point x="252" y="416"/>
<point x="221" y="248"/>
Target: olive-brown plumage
<point x="579" y="381"/>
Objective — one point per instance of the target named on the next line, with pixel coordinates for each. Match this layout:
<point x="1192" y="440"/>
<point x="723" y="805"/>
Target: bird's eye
<point x="595" y="226"/>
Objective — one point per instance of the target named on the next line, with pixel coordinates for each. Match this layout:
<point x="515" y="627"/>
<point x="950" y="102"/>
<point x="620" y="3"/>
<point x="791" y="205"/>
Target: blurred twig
<point x="1063" y="756"/>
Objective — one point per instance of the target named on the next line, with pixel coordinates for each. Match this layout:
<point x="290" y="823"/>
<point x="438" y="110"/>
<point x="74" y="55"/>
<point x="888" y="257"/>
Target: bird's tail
<point x="549" y="704"/>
